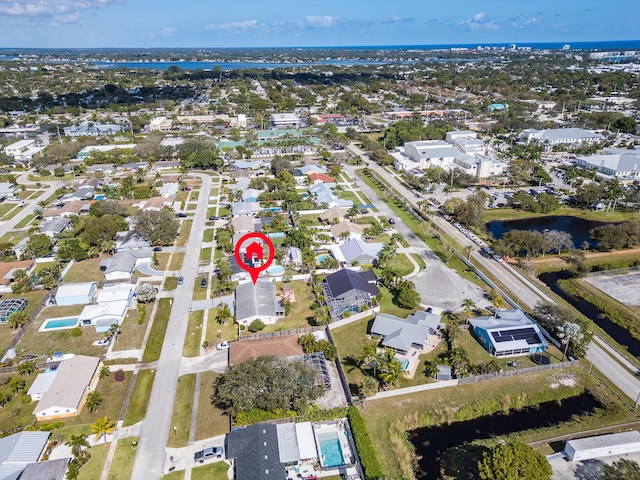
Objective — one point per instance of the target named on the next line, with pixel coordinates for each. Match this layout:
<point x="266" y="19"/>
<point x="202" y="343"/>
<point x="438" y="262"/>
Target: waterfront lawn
<point x="211" y="420"/>
<point x="182" y="411"/>
<point x="466" y="402"/>
<point x="619" y="215"/>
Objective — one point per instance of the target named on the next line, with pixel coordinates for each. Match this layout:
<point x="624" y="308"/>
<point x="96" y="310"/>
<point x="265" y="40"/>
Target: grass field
<point x="213" y="471"/>
<point x="93" y="468"/>
<point x="131" y="331"/>
<point x="176" y="261"/>
<point x="85" y="271"/>
<point x="185" y="229"/>
<point x="122" y="463"/>
<point x="156" y="338"/>
<point x="182" y="407"/>
<point x="516" y="214"/>
<point x="170" y="283"/>
<point x="137" y="407"/>
<point x="194" y="333"/>
<point x="211" y="421"/>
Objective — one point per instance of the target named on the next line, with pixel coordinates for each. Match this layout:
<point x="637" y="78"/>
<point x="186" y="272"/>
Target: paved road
<point x="150" y="456"/>
<point x="28" y="209"/>
<point x="527" y="293"/>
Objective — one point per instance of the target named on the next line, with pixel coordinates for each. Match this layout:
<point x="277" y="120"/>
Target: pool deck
<point x="43" y="327"/>
<point x="413" y="355"/>
<point x="339" y="429"/>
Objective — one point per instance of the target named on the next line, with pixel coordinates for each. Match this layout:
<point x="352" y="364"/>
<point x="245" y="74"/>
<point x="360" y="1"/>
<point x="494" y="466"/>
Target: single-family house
<point x="244" y="208"/>
<point x="293" y="256"/>
<point x="81" y="194"/>
<point x="243" y="224"/>
<point x="402" y="334"/>
<point x="323" y="194"/>
<point x="46" y="470"/>
<point x="122" y="264"/>
<point x="321" y="178"/>
<point x="41" y="385"/>
<point x="8" y="269"/>
<point x="156" y="204"/>
<point x="251" y="195"/>
<point x="103" y="315"/>
<point x="8" y="189"/>
<point x="19" y="450"/>
<point x="257" y="302"/>
<point x="67" y="210"/>
<point x="308" y="169"/>
<point x="75" y="293"/>
<point x="332" y="214"/>
<point x="508" y="333"/>
<point x="254" y="451"/>
<point x="169" y="190"/>
<point x="346" y="230"/>
<point x="347" y="291"/>
<point x="116" y="292"/>
<point x="356" y="251"/>
<point x="76" y="377"/>
<point x="54" y="227"/>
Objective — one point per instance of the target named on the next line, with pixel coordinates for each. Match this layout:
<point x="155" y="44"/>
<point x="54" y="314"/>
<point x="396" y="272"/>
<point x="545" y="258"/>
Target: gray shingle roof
<point x="255" y="300"/>
<point x="49" y="470"/>
<point x="255" y="449"/>
<point x="345" y="280"/>
<point x="400" y="334"/>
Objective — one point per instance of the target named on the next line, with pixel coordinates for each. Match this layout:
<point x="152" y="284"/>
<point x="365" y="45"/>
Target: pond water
<point x="615" y="331"/>
<point x="431" y="442"/>
<point x="577" y="227"/>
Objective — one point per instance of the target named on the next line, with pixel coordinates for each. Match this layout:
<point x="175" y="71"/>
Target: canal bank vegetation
<point x="390" y="419"/>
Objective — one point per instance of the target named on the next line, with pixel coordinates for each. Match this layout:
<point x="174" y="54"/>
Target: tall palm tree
<point x="77" y="443"/>
<point x="26" y="367"/>
<point x="431" y="369"/>
<point x="393" y="372"/>
<point x="102" y="427"/>
<point x="468" y="305"/>
<point x="94" y="399"/>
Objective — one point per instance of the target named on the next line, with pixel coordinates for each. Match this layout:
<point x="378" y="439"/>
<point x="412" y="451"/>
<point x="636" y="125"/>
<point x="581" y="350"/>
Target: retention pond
<point x="431" y="442"/>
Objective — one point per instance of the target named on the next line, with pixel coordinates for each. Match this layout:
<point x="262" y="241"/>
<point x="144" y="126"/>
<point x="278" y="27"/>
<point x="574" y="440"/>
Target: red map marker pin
<point x="254" y="253"/>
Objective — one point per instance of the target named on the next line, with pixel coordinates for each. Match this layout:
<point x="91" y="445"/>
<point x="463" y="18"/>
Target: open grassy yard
<point x="194" y="334"/>
<point x="162" y="259"/>
<point x="182" y="407"/>
<point x="85" y="271"/>
<point x="207" y="236"/>
<point x="15" y="413"/>
<point x="170" y="283"/>
<point x="387" y="304"/>
<point x="185" y="229"/>
<point x="483" y="398"/>
<point x="205" y="254"/>
<point x="216" y="333"/>
<point x="211" y="421"/>
<point x="213" y="471"/>
<point x="122" y="463"/>
<point x="156" y="338"/>
<point x="93" y="468"/>
<point x="137" y="407"/>
<point x="176" y="261"/>
<point x="131" y="331"/>
<point x="301" y="314"/>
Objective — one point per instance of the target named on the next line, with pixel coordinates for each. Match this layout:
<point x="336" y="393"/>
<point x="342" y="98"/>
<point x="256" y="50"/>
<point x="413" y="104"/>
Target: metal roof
<point x="20" y="449"/>
<point x="255" y="300"/>
<point x="287" y="442"/>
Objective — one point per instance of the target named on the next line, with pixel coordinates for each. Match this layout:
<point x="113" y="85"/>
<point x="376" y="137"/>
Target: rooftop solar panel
<point x="527" y="334"/>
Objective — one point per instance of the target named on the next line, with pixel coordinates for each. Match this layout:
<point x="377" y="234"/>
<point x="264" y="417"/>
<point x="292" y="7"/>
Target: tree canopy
<point x="514" y="461"/>
<point x="158" y="227"/>
<point x="266" y="383"/>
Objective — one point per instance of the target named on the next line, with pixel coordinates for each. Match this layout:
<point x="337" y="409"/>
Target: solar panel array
<point x="527" y="334"/>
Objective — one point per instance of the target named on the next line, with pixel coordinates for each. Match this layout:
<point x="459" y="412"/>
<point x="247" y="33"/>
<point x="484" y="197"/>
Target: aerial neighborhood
<point x="367" y="265"/>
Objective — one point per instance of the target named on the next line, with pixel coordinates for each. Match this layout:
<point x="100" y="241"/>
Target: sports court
<point x="623" y="285"/>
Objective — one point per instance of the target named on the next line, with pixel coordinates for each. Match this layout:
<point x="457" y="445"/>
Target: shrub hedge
<point x="366" y="452"/>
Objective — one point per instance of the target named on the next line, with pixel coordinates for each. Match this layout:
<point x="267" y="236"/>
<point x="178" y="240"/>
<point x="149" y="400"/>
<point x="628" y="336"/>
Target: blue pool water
<point x="100" y="197"/>
<point x="275" y="270"/>
<point x="59" y="323"/>
<point x="404" y="362"/>
<point x="330" y="450"/>
<point x="320" y="258"/>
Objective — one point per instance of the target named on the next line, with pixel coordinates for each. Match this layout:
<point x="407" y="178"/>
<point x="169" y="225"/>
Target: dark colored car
<point x="181" y="215"/>
<point x="213" y="217"/>
<point x="392" y="221"/>
<point x="203" y="282"/>
<point x="180" y="280"/>
<point x="157" y="249"/>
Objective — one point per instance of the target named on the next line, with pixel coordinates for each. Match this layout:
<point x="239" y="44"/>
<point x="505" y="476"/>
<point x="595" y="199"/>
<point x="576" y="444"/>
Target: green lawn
<point x="156" y="338"/>
<point x="185" y="230"/>
<point x="205" y="254"/>
<point x="213" y="471"/>
<point x="194" y="332"/>
<point x="182" y="407"/>
<point x="93" y="468"/>
<point x="216" y="333"/>
<point x="207" y="236"/>
<point x="619" y="215"/>
<point x="137" y="407"/>
<point x="176" y="261"/>
<point x="175" y="475"/>
<point x="170" y="283"/>
<point x="85" y="271"/>
<point x="122" y="463"/>
<point x="25" y="221"/>
<point x="211" y="420"/>
<point x="387" y="304"/>
<point x="418" y="259"/>
<point x="132" y="331"/>
<point x="301" y="314"/>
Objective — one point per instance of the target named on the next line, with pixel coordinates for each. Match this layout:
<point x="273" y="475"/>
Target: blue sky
<point x="264" y="23"/>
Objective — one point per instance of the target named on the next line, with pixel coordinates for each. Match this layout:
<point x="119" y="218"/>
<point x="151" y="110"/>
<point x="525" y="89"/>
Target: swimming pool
<point x="275" y="270"/>
<point x="59" y="323"/>
<point x="321" y="258"/>
<point x="100" y="197"/>
<point x="330" y="450"/>
<point x="404" y="362"/>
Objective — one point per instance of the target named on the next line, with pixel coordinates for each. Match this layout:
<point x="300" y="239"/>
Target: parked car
<point x="157" y="249"/>
<point x="213" y="217"/>
<point x="181" y="215"/>
<point x="222" y="346"/>
<point x="180" y="280"/>
<point x="101" y="343"/>
<point x="210" y="452"/>
<point x="392" y="221"/>
<point x="203" y="283"/>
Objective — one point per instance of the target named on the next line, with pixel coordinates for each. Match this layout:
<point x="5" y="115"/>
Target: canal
<point x="431" y="442"/>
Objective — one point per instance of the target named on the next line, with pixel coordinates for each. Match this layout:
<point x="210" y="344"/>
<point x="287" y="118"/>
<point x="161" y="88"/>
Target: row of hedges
<point x="366" y="452"/>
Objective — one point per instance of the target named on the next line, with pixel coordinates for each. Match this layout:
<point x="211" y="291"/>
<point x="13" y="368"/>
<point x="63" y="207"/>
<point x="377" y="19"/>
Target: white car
<point x="101" y="343"/>
<point x="222" y="346"/>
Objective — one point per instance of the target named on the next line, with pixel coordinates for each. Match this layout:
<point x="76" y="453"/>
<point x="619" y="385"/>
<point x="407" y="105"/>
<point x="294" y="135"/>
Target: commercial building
<point x="560" y="136"/>
<point x="92" y="129"/>
<point x="613" y="163"/>
<point x="286" y="120"/>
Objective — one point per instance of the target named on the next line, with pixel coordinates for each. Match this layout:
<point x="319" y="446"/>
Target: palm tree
<point x="93" y="401"/>
<point x="102" y="427"/>
<point x="368" y="386"/>
<point x="388" y="275"/>
<point x="430" y="369"/>
<point x="77" y="443"/>
<point x="369" y="353"/>
<point x="393" y="372"/>
<point x="468" y="305"/>
<point x="26" y="367"/>
<point x="569" y="333"/>
<point x="224" y="314"/>
<point x="104" y="372"/>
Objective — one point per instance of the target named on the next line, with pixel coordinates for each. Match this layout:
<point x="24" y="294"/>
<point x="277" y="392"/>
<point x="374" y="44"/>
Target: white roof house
<point x="41" y="384"/>
<point x="75" y="293"/>
<point x="67" y="394"/>
<point x="257" y="302"/>
<point x="356" y="251"/>
<point x="169" y="190"/>
<point x="103" y="315"/>
<point x="116" y="293"/>
<point x="19" y="450"/>
<point x="508" y="333"/>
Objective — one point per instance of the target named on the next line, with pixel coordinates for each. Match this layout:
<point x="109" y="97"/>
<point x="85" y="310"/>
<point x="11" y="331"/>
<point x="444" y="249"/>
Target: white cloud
<point x="233" y="26"/>
<point x="479" y="22"/>
<point x="397" y="20"/>
<point x="56" y="11"/>
<point x="168" y="32"/>
<point x="322" y="21"/>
